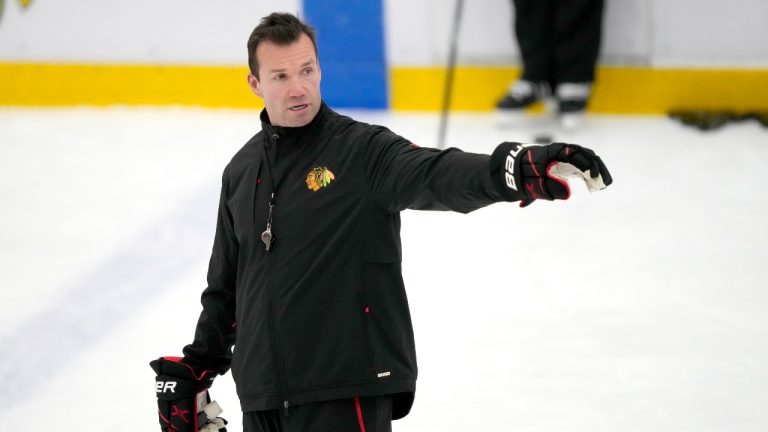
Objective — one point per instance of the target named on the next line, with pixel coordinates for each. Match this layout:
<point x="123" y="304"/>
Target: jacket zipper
<point x="276" y="347"/>
<point x="275" y="339"/>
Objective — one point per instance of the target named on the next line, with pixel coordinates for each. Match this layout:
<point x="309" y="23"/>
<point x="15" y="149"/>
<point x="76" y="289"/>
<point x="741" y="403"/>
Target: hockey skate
<point x="521" y="98"/>
<point x="572" y="101"/>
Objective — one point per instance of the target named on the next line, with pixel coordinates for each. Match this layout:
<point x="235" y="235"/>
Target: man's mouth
<point x="297" y="107"/>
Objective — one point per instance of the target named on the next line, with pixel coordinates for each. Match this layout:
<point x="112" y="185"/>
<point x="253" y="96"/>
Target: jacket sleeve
<point x="215" y="332"/>
<point x="402" y="175"/>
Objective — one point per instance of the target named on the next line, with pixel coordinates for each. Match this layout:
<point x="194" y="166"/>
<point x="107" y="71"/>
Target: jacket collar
<point x="290" y="134"/>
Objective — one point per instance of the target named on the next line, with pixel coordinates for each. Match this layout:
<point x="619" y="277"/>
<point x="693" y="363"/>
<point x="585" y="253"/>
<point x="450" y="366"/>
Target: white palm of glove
<point x="209" y="419"/>
<point x="565" y="171"/>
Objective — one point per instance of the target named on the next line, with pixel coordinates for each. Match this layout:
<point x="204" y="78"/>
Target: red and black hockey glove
<point x="183" y="402"/>
<point x="527" y="172"/>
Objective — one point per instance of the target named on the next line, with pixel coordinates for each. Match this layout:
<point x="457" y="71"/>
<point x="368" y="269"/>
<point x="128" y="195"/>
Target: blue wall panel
<point x="350" y="40"/>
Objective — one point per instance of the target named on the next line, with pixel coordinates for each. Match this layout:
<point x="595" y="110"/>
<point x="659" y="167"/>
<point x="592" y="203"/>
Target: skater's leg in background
<point x="533" y="24"/>
<point x="577" y="31"/>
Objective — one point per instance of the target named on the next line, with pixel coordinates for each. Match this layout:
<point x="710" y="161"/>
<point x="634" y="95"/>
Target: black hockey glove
<point x="182" y="398"/>
<point x="527" y="172"/>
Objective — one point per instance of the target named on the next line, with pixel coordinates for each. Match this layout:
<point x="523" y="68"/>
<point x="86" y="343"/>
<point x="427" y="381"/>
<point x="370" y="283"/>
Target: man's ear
<point x="255" y="86"/>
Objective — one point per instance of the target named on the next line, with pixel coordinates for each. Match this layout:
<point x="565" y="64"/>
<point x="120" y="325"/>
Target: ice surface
<point x="637" y="308"/>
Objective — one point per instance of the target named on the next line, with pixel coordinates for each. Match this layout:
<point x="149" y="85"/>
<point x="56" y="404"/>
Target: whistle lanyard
<point x="267" y="236"/>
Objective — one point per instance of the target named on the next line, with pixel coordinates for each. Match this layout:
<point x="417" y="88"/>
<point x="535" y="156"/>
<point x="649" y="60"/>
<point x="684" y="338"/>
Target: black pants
<point x="559" y="40"/>
<point x="365" y="414"/>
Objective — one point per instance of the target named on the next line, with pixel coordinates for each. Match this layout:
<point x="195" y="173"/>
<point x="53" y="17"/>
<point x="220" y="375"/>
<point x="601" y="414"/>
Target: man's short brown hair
<point x="280" y="29"/>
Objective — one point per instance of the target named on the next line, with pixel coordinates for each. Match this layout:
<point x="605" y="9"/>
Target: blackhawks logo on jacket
<point x="319" y="178"/>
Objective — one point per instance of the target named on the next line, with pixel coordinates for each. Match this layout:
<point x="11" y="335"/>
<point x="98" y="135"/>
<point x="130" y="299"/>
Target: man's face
<point x="289" y="82"/>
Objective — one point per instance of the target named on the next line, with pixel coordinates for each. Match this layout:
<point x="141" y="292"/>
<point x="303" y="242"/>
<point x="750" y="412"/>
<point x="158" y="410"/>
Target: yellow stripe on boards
<point x="618" y="90"/>
<point x="646" y="90"/>
<point x="34" y="84"/>
<point x="474" y="88"/>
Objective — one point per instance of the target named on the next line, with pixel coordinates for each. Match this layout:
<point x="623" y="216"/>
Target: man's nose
<point x="295" y="88"/>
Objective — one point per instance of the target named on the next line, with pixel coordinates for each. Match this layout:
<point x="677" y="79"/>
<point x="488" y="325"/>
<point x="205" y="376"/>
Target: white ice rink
<point x="640" y="308"/>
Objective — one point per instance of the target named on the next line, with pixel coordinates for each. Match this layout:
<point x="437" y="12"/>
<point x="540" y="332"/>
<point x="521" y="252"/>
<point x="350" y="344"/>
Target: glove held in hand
<point x="527" y="172"/>
<point x="184" y="404"/>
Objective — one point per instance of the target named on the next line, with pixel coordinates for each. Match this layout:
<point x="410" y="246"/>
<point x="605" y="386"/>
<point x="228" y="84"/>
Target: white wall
<point x="702" y="31"/>
<point x="645" y="32"/>
<point x="141" y="31"/>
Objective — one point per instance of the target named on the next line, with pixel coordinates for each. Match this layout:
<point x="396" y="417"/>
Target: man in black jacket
<point x="304" y="278"/>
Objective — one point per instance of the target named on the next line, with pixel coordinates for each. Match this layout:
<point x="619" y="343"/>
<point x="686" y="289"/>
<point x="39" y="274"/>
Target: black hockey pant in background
<point x="365" y="414"/>
<point x="559" y="40"/>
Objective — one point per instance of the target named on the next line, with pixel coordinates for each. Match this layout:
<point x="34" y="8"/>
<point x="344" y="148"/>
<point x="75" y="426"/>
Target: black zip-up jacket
<point x="323" y="314"/>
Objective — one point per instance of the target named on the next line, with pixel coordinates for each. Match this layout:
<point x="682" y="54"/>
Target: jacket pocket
<point x="388" y="321"/>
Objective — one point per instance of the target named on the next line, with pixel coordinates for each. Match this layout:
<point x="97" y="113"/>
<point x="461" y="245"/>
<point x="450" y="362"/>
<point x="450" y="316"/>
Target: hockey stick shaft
<point x="450" y="70"/>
